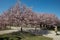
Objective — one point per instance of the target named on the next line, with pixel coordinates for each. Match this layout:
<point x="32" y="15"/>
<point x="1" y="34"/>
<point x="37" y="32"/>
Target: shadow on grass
<point x="19" y="35"/>
<point x="16" y="35"/>
<point x="39" y="32"/>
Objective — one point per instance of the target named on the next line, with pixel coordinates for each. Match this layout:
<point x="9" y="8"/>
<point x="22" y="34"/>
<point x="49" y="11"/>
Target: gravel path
<point x="52" y="35"/>
<point x="14" y="29"/>
<point x="7" y="31"/>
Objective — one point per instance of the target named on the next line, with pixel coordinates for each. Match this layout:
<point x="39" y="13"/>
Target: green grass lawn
<point x="24" y="36"/>
<point x="36" y="38"/>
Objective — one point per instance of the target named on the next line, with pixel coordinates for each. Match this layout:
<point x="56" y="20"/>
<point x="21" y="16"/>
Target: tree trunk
<point x="42" y="27"/>
<point x="56" y="30"/>
<point x="21" y="29"/>
<point x="45" y="27"/>
<point x="35" y="28"/>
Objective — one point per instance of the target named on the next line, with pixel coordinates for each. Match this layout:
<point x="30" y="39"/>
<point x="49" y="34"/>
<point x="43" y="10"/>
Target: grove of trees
<point x="23" y="16"/>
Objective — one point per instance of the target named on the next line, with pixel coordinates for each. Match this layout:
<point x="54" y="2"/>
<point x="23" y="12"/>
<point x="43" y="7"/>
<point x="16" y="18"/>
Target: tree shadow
<point x="39" y="32"/>
<point x="57" y="34"/>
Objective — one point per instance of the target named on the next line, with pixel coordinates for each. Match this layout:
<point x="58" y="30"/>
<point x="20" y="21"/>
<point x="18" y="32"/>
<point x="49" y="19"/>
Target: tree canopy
<point x="22" y="15"/>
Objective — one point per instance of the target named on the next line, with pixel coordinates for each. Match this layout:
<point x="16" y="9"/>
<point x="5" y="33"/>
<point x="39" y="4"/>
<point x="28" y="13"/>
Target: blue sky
<point x="42" y="6"/>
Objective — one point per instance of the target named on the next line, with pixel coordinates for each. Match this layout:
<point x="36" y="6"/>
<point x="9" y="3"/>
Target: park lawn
<point x="37" y="38"/>
<point x="24" y="36"/>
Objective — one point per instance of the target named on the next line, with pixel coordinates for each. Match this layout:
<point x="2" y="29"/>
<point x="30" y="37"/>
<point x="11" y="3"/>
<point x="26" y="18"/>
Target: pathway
<point x="52" y="35"/>
<point x="7" y="31"/>
<point x="15" y="29"/>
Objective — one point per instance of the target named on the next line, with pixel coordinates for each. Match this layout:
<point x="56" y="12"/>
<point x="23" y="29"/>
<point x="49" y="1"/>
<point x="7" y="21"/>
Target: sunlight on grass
<point x="24" y="36"/>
